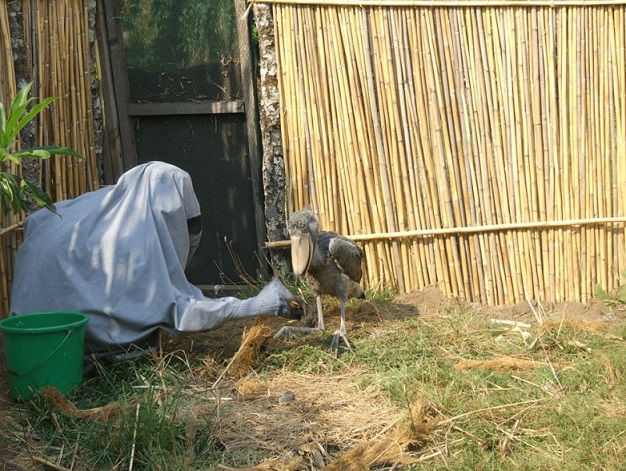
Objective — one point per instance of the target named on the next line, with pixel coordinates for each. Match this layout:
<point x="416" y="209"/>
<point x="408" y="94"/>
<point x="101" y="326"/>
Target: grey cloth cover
<point x="118" y="254"/>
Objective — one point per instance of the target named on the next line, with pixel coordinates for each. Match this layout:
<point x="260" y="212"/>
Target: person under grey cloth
<point x="118" y="254"/>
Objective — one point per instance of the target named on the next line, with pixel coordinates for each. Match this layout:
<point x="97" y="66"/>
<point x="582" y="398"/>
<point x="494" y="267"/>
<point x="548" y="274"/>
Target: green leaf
<point x="18" y="106"/>
<point x="21" y="99"/>
<point x="621" y="293"/>
<point x="11" y="193"/>
<point x="35" y="153"/>
<point x="56" y="150"/>
<point x="28" y="117"/>
<point x="15" y="191"/>
<point x="602" y="295"/>
<point x="3" y="123"/>
<point x="38" y="195"/>
<point x="16" y="159"/>
<point x="5" y="155"/>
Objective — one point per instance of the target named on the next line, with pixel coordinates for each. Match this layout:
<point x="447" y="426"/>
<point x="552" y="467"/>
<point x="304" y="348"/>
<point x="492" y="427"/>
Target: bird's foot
<point x="291" y="331"/>
<point x="334" y="344"/>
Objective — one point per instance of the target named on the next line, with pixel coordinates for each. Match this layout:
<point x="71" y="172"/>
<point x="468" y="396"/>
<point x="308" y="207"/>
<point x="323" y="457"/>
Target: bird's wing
<point x="347" y="255"/>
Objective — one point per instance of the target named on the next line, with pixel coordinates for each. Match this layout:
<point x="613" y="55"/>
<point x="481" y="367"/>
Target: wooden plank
<point x="124" y="156"/>
<point x="186" y="108"/>
<point x="111" y="145"/>
<point x="248" y="80"/>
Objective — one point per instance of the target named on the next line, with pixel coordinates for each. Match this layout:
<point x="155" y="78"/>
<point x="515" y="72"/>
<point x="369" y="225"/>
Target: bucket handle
<point x="69" y="332"/>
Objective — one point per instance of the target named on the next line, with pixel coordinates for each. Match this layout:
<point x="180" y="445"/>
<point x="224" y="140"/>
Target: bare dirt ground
<point x="429" y="303"/>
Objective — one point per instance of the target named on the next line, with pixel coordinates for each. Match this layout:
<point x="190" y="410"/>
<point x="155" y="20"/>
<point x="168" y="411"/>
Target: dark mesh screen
<point x="190" y="84"/>
<point x="213" y="151"/>
<point x="181" y="50"/>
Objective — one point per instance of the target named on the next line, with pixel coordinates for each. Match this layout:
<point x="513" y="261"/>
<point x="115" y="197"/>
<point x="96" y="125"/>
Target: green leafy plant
<point x="15" y="191"/>
<point x="617" y="298"/>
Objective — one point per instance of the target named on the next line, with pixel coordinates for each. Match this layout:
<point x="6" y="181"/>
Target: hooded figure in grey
<point x="119" y="254"/>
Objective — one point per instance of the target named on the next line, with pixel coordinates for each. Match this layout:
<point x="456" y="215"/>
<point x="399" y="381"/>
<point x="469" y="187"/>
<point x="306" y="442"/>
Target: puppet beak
<point x="301" y="254"/>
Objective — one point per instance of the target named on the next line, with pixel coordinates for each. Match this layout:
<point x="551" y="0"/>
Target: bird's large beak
<point x="301" y="254"/>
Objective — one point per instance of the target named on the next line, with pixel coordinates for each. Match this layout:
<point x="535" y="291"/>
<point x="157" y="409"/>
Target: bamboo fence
<point x="478" y="147"/>
<point x="56" y="36"/>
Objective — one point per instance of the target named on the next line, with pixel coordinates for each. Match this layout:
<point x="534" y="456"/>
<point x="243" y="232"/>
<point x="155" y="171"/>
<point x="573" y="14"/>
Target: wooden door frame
<point x="119" y="148"/>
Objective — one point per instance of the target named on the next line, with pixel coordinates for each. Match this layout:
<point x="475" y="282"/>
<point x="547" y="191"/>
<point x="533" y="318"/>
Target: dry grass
<point x="320" y="414"/>
<point x="504" y="363"/>
<point x="329" y="420"/>
<point x="59" y="403"/>
<point x="445" y="390"/>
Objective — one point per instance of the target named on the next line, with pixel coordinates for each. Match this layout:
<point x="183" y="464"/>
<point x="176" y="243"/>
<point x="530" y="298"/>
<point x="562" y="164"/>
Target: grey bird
<point x="331" y="263"/>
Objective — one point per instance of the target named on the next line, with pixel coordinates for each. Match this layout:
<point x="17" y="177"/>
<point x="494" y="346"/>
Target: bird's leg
<point x="291" y="330"/>
<point x="320" y="313"/>
<point x="341" y="333"/>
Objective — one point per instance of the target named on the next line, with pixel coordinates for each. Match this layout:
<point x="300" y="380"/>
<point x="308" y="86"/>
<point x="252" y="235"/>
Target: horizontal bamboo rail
<point x="573" y="223"/>
<point x="11" y="228"/>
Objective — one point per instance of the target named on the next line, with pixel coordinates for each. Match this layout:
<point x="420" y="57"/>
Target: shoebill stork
<point x="331" y="264"/>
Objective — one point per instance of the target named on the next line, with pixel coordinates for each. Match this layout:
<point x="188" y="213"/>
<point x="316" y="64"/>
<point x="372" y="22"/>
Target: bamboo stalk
<point x="437" y="166"/>
<point x="467" y="151"/>
<point x="498" y="209"/>
<point x="591" y="254"/>
<point x="384" y="175"/>
<point x="605" y="135"/>
<point x="551" y="147"/>
<point x="320" y="111"/>
<point x="369" y="187"/>
<point x="526" y="168"/>
<point x="537" y="124"/>
<point x="436" y="250"/>
<point x="376" y="203"/>
<point x="338" y="117"/>
<point x="362" y="156"/>
<point x="560" y="171"/>
<point x="493" y="161"/>
<point x="299" y="56"/>
<point x="348" y="169"/>
<point x="400" y="140"/>
<point x="449" y="127"/>
<point x="281" y="75"/>
<point x="364" y="153"/>
<point x="415" y="213"/>
<point x="577" y="121"/>
<point x="295" y="173"/>
<point x="620" y="147"/>
<point x="474" y="130"/>
<point x="379" y="114"/>
<point x="331" y="214"/>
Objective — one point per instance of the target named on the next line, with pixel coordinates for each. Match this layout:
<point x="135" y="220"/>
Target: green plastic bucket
<point x="43" y="349"/>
